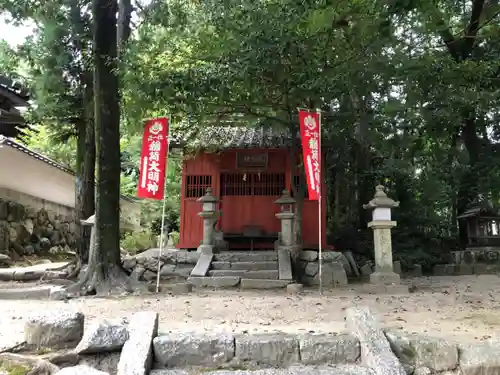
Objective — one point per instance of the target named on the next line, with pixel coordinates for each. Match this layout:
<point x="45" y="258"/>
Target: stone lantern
<point x="209" y="214"/>
<point x="286" y="216"/>
<point x="382" y="224"/>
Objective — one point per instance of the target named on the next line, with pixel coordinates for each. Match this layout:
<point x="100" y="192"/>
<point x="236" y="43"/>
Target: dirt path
<point x="464" y="308"/>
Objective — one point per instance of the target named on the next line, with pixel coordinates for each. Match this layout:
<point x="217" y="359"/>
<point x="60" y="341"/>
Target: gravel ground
<point x="461" y="308"/>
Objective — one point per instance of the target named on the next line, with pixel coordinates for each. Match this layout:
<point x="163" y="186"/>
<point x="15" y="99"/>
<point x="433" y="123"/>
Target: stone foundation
<point x="335" y="268"/>
<point x="29" y="225"/>
<point x="175" y="265"/>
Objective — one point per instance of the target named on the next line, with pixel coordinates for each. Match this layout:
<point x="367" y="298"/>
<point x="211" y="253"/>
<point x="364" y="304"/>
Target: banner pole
<point x="162" y="230"/>
<point x="320" y="248"/>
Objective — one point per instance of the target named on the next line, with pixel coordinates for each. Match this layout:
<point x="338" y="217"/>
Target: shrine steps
<point x="246" y="269"/>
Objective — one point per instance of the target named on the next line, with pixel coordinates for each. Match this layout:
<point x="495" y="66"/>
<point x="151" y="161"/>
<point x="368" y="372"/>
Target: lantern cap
<point x="380" y="199"/>
<point x="286" y="198"/>
<point x="208" y="197"/>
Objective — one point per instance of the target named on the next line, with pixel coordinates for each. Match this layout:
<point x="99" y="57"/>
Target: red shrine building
<point x="247" y="169"/>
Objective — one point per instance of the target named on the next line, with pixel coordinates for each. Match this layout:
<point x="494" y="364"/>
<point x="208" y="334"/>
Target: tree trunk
<point x="105" y="274"/>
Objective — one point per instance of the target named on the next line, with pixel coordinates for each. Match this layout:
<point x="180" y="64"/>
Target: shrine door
<point x="248" y="200"/>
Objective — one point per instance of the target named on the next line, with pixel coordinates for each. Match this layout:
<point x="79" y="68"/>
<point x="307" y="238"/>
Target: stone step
<point x="214" y="282"/>
<point x="262" y="274"/>
<point x="296" y="370"/>
<point x="246" y="256"/>
<point x="263" y="283"/>
<point x="249" y="266"/>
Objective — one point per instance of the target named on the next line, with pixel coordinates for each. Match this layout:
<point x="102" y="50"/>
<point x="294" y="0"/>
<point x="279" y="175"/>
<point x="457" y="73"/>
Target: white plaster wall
<point x="23" y="173"/>
<point x="37" y="180"/>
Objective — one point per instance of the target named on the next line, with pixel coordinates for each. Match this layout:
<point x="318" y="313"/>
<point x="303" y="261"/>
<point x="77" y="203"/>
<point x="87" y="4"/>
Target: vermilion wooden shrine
<point x="248" y="169"/>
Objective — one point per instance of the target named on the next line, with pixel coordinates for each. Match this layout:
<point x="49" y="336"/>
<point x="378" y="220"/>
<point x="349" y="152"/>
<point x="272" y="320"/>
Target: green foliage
<point x="138" y="241"/>
<point x="175" y="236"/>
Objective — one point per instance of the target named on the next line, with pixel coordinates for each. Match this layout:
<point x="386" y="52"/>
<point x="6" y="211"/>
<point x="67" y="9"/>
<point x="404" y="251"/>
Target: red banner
<point x="311" y="144"/>
<point x="153" y="159"/>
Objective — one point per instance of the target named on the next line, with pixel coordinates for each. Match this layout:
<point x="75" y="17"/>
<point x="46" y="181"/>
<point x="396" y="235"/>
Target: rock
<point x="396" y="267"/>
<point x="149" y="275"/>
<point x="308" y="255"/>
<point x="4" y="209"/>
<point x="333" y="274"/>
<point x="44" y="244"/>
<point x="5" y="259"/>
<point x="332" y="256"/>
<point x="271" y="349"/>
<point x="480" y="359"/>
<point x="106" y="362"/>
<point x="294" y="288"/>
<point x="137" y="353"/>
<point x="421" y="351"/>
<point x="104" y="336"/>
<point x="129" y="263"/>
<point x="58" y="293"/>
<point x="375" y="348"/>
<point x="422" y="371"/>
<point x="193" y="349"/>
<point x="4" y="236"/>
<point x="328" y="348"/>
<point x="55" y="329"/>
<point x="80" y="370"/>
<point x="311" y="269"/>
<point x="366" y="270"/>
<point x="29" y="250"/>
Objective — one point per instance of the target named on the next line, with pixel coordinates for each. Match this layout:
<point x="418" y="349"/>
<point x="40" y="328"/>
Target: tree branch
<point x="472" y="29"/>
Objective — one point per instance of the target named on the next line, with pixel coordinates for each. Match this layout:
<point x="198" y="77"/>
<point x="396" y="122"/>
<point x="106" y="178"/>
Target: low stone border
<point x="134" y="347"/>
<point x="465" y="269"/>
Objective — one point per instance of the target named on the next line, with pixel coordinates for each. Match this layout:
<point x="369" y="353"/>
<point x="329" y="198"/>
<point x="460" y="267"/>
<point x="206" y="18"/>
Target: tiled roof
<point x="4" y="141"/>
<point x="224" y="137"/>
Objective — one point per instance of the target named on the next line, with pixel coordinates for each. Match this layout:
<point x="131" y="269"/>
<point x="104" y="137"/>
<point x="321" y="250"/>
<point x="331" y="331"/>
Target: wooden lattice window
<point x="300" y="183"/>
<point x="263" y="184"/>
<point x="196" y="186"/>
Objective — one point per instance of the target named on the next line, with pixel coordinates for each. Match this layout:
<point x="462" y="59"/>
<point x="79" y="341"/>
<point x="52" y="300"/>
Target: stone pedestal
<point x="286" y="228"/>
<point x="384" y="272"/>
<point x="207" y="244"/>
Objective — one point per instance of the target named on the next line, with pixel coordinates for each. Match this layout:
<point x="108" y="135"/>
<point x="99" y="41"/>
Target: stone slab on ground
<point x="54" y="329"/>
<point x="81" y="370"/>
<point x="263" y="283"/>
<point x="328" y="348"/>
<point x="285" y="264"/>
<point x="480" y="359"/>
<point x="202" y="265"/>
<point x="376" y="351"/>
<point x="137" y="354"/>
<point x="193" y="349"/>
<point x="35" y="292"/>
<point x="293" y="370"/>
<point x="423" y="351"/>
<point x="29" y="273"/>
<point x="384" y="289"/>
<point x="269" y="349"/>
<point x="103" y="336"/>
<point x="214" y="282"/>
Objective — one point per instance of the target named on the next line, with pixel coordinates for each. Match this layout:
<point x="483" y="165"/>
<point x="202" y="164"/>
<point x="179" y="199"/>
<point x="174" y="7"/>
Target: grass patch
<point x="14" y="369"/>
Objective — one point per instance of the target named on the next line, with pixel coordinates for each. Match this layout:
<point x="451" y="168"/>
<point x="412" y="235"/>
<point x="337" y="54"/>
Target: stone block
<point x="376" y="351"/>
<point x="263" y="283"/>
<point x="107" y="362"/>
<point x="103" y="336"/>
<point x="328" y="348"/>
<point x="251" y="256"/>
<point x="333" y="274"/>
<point x="332" y="257"/>
<point x="193" y="349"/>
<point x="366" y="270"/>
<point x="444" y="269"/>
<point x="202" y="265"/>
<point x="54" y="330"/>
<point x="81" y="370"/>
<point x="480" y="359"/>
<point x="293" y="370"/>
<point x="137" y="354"/>
<point x="255" y="266"/>
<point x="308" y="255"/>
<point x="421" y="351"/>
<point x="182" y="288"/>
<point x="267" y="349"/>
<point x="294" y="288"/>
<point x="214" y="282"/>
<point x="396" y="267"/>
<point x="464" y="269"/>
<point x="284" y="264"/>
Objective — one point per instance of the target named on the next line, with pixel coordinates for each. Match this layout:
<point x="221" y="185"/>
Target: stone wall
<point x="29" y="225"/>
<point x="175" y="265"/>
<point x="335" y="268"/>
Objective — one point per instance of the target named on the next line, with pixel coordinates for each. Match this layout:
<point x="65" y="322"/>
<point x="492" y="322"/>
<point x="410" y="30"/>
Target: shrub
<point x="175" y="237"/>
<point x="136" y="242"/>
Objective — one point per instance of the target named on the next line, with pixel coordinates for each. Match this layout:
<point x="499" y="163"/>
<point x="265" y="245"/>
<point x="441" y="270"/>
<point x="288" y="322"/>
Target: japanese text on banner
<point x="310" y="135"/>
<point x="153" y="159"/>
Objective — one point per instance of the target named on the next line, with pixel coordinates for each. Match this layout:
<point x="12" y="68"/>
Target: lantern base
<point x="385" y="278"/>
<point x="205" y="249"/>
